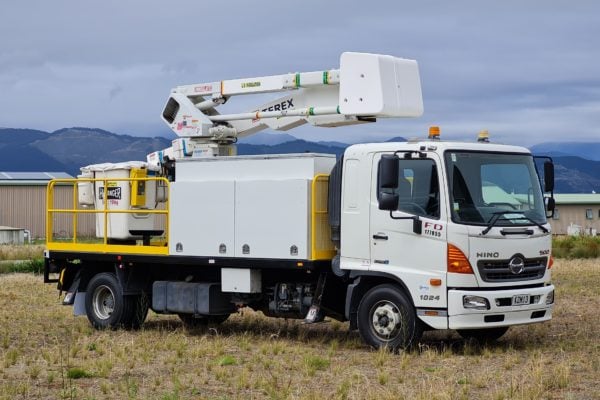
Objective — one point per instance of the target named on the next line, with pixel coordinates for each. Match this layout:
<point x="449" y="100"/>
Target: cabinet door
<point x="202" y="219"/>
<point x="271" y="217"/>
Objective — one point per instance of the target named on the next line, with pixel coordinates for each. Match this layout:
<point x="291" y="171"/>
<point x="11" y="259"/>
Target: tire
<point x="139" y="312"/>
<point x="107" y="307"/>
<point x="386" y="319"/>
<point x="486" y="335"/>
<point x="190" y="321"/>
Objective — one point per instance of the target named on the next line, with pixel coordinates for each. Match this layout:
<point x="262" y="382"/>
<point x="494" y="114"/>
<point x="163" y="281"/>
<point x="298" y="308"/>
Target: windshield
<point x="486" y="185"/>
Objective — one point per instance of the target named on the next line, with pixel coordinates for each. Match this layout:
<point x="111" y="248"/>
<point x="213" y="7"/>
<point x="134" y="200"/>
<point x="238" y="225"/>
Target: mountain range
<point x="587" y="150"/>
<point x="577" y="164"/>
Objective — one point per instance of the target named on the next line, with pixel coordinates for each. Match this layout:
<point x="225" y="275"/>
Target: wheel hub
<point x="103" y="301"/>
<point x="386" y="320"/>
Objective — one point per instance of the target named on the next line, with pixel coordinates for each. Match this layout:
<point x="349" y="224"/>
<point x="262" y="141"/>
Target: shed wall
<point x="575" y="214"/>
<point x="24" y="206"/>
<point x="11" y="236"/>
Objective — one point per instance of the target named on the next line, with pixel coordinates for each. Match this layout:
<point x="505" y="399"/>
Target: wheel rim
<point x="386" y="320"/>
<point x="104" y="302"/>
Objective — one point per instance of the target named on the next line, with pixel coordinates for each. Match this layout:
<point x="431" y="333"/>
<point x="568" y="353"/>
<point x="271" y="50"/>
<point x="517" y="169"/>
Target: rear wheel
<point x="107" y="307"/>
<point x="485" y="335"/>
<point x="387" y="318"/>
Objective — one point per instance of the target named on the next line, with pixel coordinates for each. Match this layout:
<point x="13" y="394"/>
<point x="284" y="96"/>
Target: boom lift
<point x="365" y="87"/>
<point x="395" y="238"/>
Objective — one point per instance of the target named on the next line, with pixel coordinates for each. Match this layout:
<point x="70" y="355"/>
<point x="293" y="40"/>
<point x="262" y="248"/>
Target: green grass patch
<point x="226" y="360"/>
<point x="315" y="363"/>
<point x="78" y="373"/>
<point x="570" y="247"/>
<point x="35" y="266"/>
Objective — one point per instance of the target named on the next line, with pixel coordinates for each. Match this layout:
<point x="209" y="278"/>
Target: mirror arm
<point x="417" y="223"/>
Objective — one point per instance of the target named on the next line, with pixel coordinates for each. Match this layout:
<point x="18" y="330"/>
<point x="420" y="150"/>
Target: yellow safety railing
<point x="321" y="245"/>
<point x="104" y="247"/>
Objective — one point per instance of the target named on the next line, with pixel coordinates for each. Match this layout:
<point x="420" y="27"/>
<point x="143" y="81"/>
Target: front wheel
<point x="387" y="319"/>
<point x="107" y="307"/>
<point x="485" y="335"/>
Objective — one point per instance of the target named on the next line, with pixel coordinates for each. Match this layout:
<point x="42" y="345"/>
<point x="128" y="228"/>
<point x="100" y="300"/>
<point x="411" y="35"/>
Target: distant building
<point x="576" y="212"/>
<point x="9" y="235"/>
<point x="23" y="204"/>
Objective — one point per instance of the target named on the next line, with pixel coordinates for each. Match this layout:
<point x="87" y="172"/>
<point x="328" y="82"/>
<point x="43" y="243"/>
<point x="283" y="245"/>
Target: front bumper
<point x="498" y="314"/>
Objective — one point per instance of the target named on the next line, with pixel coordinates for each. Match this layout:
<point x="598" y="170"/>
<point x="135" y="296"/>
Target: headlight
<point x="550" y="298"/>
<point x="476" y="303"/>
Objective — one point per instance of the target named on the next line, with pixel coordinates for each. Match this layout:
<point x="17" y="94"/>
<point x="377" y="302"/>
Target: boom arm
<point x="365" y="87"/>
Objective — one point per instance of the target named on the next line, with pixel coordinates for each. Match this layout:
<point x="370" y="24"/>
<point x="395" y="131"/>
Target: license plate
<point x="520" y="299"/>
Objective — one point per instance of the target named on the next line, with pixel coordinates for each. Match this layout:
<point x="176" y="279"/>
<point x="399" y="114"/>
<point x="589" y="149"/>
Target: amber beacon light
<point x="434" y="132"/>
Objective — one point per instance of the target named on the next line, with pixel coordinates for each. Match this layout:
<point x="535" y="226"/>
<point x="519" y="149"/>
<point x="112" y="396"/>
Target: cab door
<point x="397" y="246"/>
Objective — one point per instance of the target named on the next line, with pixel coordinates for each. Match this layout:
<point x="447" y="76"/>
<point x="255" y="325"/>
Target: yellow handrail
<point x="105" y="247"/>
<point x="321" y="245"/>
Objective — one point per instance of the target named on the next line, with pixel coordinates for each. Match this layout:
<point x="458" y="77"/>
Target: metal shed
<point x="10" y="235"/>
<point x="23" y="204"/>
<point x="580" y="210"/>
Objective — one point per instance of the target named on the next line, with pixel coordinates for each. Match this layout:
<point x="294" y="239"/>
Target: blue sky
<point x="525" y="70"/>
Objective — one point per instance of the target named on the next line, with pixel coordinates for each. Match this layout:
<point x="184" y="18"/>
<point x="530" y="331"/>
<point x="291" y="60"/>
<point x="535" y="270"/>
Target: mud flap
<point x="315" y="314"/>
<point x="69" y="298"/>
<point x="79" y="304"/>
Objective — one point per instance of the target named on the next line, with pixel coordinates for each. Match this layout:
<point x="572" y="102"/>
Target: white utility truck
<point x="395" y="238"/>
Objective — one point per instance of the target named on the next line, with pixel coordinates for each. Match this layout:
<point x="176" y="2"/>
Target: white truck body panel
<point x="271" y="218"/>
<point x="262" y="167"/>
<point x="241" y="280"/>
<point x="247" y="206"/>
<point x="202" y="219"/>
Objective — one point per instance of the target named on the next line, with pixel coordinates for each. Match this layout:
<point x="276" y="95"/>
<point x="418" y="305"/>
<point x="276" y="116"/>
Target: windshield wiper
<point x="496" y="217"/>
<point x="542" y="227"/>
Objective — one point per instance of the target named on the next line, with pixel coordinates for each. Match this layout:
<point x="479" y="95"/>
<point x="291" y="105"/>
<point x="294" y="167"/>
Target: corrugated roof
<point x="9" y="228"/>
<point x="32" y="176"/>
<point x="577" y="198"/>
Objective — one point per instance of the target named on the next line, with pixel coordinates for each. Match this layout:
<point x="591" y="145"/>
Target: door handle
<point x="380" y="236"/>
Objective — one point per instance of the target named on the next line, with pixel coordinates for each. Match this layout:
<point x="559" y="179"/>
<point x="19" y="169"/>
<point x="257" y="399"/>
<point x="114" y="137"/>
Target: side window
<point x="418" y="188"/>
<point x="589" y="214"/>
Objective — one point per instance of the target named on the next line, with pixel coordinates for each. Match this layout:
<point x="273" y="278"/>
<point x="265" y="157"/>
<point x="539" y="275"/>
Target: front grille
<point x="498" y="271"/>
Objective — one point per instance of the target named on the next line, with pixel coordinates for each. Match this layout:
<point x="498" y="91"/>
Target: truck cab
<point x="460" y="227"/>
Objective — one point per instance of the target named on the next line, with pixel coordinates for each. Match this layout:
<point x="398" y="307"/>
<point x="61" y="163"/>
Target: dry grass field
<point x="24" y="252"/>
<point x="47" y="353"/>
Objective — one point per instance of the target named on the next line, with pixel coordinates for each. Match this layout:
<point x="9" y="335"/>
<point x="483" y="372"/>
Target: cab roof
<point x="438" y="146"/>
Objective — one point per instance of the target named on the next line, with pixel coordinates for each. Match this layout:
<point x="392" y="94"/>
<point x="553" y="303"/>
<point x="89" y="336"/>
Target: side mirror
<point x="550" y="206"/>
<point x="387" y="182"/>
<point x="388" y="201"/>
<point x="417" y="226"/>
<point x="548" y="176"/>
